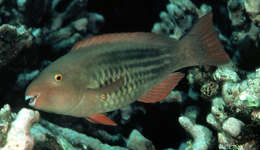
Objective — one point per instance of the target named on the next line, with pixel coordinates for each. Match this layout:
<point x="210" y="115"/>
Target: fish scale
<point x="134" y="76"/>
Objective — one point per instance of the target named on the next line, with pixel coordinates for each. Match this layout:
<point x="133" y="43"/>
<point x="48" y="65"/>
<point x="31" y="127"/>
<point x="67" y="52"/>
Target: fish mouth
<point x="32" y="99"/>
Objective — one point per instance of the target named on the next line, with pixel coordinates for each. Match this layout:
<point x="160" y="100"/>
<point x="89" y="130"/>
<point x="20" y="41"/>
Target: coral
<point x="244" y="32"/>
<point x="244" y="95"/>
<point x="199" y="75"/>
<point x="226" y="73"/>
<point x="233" y="126"/>
<point x="252" y="7"/>
<point x="209" y="89"/>
<point x="229" y="129"/>
<point x="18" y="136"/>
<point x="231" y="114"/>
<point x="50" y="27"/>
<point x="255" y="115"/>
<point x="201" y="78"/>
<point x="237" y="15"/>
<point x="54" y="23"/>
<point x="174" y="96"/>
<point x="137" y="141"/>
<point x="12" y="40"/>
<point x="179" y="18"/>
<point x="239" y="97"/>
<point x="21" y="134"/>
<point x="64" y="137"/>
<point x="5" y="121"/>
<point x="202" y="136"/>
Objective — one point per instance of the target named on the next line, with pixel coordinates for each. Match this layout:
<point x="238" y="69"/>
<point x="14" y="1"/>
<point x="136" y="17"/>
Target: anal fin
<point x="101" y="119"/>
<point x="162" y="89"/>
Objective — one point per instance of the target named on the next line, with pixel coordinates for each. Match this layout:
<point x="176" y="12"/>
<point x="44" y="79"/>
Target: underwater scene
<point x="130" y="75"/>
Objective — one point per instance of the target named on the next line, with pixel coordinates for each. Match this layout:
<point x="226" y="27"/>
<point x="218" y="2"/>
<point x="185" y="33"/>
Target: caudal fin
<point x="202" y="44"/>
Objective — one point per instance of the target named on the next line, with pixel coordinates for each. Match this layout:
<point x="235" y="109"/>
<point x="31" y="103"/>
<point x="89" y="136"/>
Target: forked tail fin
<point x="202" y="45"/>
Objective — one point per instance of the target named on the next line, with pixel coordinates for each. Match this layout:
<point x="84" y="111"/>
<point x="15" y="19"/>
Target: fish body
<point x="107" y="72"/>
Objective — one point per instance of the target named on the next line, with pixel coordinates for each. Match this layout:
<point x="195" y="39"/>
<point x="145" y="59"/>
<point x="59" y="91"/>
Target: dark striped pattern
<point x="136" y="66"/>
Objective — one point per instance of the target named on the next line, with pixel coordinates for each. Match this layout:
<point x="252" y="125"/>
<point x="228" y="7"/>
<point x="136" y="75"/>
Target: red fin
<point x="101" y="119"/>
<point x="162" y="89"/>
<point x="203" y="44"/>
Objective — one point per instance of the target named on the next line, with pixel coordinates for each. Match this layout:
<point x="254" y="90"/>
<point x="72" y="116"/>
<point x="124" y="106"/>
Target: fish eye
<point x="58" y="77"/>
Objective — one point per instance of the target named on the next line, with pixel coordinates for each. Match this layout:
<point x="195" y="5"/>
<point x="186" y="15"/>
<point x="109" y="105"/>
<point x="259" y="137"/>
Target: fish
<point x="107" y="72"/>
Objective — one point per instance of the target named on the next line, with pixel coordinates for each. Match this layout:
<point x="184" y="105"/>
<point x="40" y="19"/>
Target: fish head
<point x="56" y="89"/>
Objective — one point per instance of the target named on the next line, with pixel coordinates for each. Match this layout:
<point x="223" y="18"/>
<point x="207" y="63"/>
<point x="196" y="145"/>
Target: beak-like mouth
<point x="32" y="99"/>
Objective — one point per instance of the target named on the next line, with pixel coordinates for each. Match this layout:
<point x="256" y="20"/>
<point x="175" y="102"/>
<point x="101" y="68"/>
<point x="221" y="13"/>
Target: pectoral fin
<point x="162" y="89"/>
<point x="101" y="119"/>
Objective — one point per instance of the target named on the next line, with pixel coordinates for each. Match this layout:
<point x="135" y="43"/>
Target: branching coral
<point x="233" y="114"/>
<point x="5" y="122"/>
<point x="238" y="98"/>
<point x="18" y="136"/>
<point x="179" y="18"/>
<point x="64" y="137"/>
<point x="244" y="95"/>
<point x="252" y="7"/>
<point x="202" y="136"/>
<point x="56" y="24"/>
<point x="12" y="40"/>
<point x="138" y="142"/>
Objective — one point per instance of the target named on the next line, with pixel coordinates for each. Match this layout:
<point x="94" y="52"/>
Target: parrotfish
<point x="107" y="72"/>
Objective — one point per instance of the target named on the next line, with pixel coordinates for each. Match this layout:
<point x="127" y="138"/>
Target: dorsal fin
<point x="106" y="38"/>
<point x="121" y="37"/>
<point x="162" y="89"/>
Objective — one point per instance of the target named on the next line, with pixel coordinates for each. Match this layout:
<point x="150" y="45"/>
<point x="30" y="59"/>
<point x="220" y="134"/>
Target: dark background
<point x="128" y="15"/>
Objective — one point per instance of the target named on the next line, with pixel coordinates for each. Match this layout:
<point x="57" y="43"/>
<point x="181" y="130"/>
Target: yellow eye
<point x="58" y="77"/>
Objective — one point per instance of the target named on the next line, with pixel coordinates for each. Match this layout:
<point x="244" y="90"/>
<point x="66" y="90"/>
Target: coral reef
<point x="12" y="40"/>
<point x="245" y="95"/>
<point x="179" y="18"/>
<point x="252" y="7"/>
<point x="5" y="119"/>
<point x="54" y="24"/>
<point x="45" y="135"/>
<point x="240" y="99"/>
<point x="137" y="141"/>
<point x="202" y="136"/>
<point x="234" y="99"/>
<point x="221" y="101"/>
<point x="18" y="136"/>
<point x="49" y="135"/>
<point x="244" y="17"/>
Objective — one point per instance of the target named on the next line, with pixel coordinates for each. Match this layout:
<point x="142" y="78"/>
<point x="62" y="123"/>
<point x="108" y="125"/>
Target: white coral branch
<point x="19" y="137"/>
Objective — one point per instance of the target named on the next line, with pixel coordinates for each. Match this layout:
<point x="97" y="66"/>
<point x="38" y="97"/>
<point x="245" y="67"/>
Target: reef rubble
<point x="22" y="131"/>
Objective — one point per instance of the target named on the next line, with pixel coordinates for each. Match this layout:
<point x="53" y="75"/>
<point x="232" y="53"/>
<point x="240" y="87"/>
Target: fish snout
<point x="32" y="99"/>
